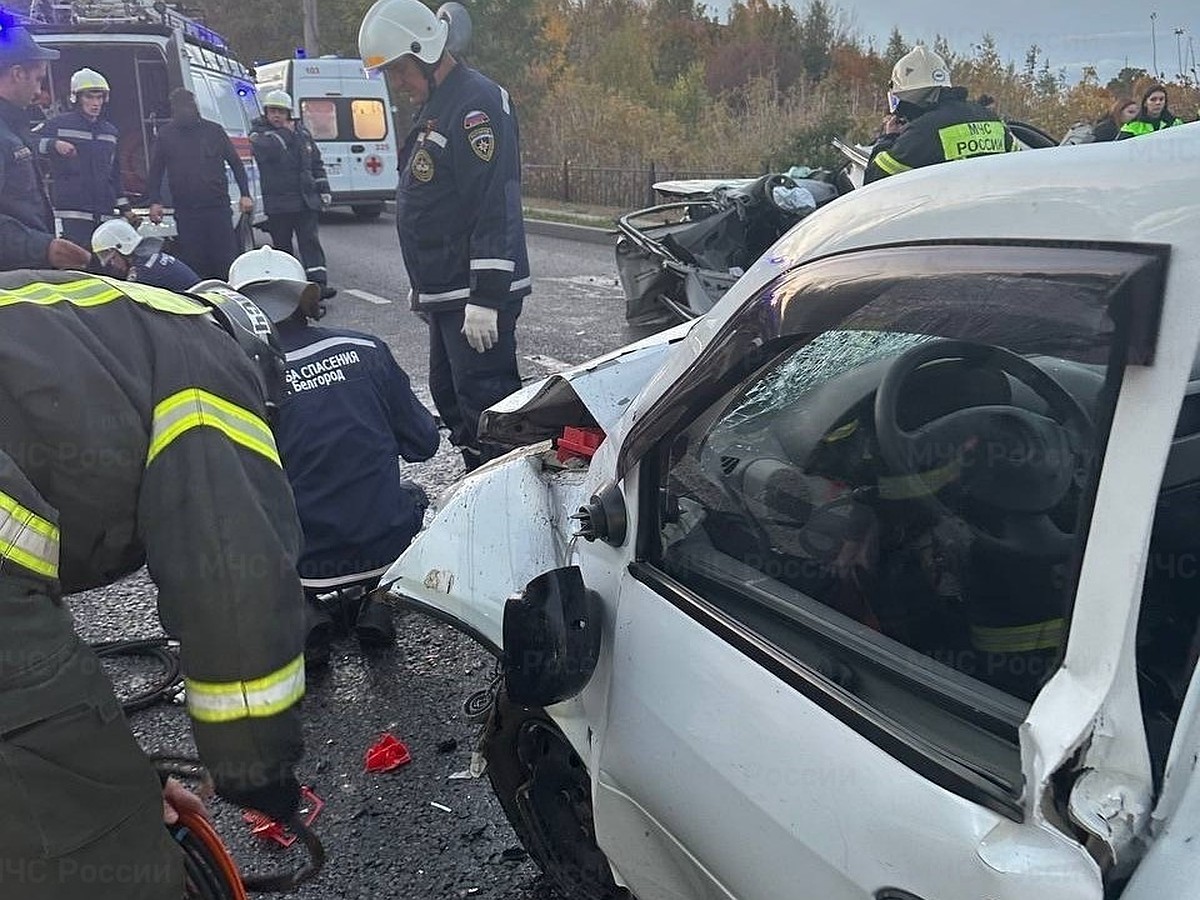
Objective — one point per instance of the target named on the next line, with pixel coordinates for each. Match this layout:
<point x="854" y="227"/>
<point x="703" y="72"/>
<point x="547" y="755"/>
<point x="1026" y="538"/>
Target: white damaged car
<point x="883" y="582"/>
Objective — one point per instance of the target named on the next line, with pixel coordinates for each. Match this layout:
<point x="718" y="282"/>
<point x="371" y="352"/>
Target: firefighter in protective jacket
<point x="458" y="214"/>
<point x="135" y="432"/>
<point x="942" y="125"/>
<point x="80" y="148"/>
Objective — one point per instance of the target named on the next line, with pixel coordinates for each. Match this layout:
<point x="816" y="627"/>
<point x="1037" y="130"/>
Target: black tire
<point x="367" y="211"/>
<point x="544" y="789"/>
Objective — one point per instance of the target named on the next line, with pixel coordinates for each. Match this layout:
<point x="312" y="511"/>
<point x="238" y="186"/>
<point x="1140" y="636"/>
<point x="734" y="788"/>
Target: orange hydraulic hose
<point x="207" y="835"/>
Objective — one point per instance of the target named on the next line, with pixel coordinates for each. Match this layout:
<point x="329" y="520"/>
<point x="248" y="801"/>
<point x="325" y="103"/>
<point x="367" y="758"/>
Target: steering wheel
<point x="1006" y="467"/>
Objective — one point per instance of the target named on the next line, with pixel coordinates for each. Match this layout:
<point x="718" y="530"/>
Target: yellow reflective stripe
<point x="1019" y="638"/>
<point x="84" y="293"/>
<point x="920" y="484"/>
<point x="972" y="139"/>
<point x="27" y="539"/>
<point x="157" y="298"/>
<point x="97" y="290"/>
<point x="194" y="408"/>
<point x="841" y="432"/>
<point x="228" y="701"/>
<point x="889" y="163"/>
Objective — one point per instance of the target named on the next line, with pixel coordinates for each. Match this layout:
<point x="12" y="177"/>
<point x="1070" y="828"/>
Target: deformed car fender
<point x="495" y="531"/>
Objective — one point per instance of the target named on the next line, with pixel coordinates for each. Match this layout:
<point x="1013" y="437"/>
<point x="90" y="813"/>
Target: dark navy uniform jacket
<point x="458" y="205"/>
<point x="348" y="415"/>
<point x="26" y="222"/>
<point x="89" y="183"/>
<point x="954" y="129"/>
<point x="153" y="266"/>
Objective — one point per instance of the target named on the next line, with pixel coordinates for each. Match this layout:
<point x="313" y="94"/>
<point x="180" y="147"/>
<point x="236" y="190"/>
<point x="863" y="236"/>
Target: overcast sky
<point x="1105" y="33"/>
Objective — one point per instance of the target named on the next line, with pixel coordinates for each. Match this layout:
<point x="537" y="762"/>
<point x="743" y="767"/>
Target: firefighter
<point x="932" y="121"/>
<point x="294" y="184"/>
<point x="26" y="222"/>
<point x="458" y="214"/>
<point x="135" y="431"/>
<point x="80" y="149"/>
<point x="348" y="415"/>
<point x="126" y="254"/>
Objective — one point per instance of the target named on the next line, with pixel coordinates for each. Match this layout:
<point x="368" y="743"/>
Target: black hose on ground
<point x="165" y="687"/>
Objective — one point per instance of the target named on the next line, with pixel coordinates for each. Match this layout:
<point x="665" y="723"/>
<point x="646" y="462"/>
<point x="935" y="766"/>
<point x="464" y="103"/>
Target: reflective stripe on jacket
<point x="954" y="129"/>
<point x="87" y="183"/>
<point x="458" y="205"/>
<point x="134" y="431"/>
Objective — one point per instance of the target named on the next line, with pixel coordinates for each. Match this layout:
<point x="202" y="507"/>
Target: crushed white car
<point x="882" y="583"/>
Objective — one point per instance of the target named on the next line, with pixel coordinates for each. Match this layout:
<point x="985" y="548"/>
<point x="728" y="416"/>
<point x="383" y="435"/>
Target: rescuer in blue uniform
<point x="348" y="414"/>
<point x="458" y="214"/>
<point x="80" y="148"/>
<point x="126" y="254"/>
<point x="26" y="222"/>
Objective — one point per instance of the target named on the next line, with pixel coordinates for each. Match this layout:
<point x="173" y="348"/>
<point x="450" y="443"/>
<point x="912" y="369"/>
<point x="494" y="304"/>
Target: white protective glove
<point x="326" y="199"/>
<point x="479" y="327"/>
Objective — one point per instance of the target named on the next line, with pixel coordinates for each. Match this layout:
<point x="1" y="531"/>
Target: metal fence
<point x="619" y="188"/>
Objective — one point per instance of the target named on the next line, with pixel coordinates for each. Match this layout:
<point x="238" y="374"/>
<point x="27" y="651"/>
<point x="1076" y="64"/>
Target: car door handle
<point x="894" y="894"/>
<point x="357" y="148"/>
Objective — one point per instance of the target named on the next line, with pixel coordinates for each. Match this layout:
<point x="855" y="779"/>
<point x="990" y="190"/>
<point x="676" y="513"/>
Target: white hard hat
<point x="115" y="234"/>
<point x="280" y="99"/>
<point x="395" y="28"/>
<point x="88" y="80"/>
<point x="275" y="280"/>
<point x="916" y="74"/>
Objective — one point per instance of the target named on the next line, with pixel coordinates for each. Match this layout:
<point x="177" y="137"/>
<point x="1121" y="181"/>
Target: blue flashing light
<point x="301" y="53"/>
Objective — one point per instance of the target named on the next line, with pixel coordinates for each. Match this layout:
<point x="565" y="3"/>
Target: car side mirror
<point x="551" y="638"/>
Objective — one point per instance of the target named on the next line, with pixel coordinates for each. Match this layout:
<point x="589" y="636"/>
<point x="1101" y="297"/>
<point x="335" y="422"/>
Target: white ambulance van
<point x="350" y="117"/>
<point x="146" y="50"/>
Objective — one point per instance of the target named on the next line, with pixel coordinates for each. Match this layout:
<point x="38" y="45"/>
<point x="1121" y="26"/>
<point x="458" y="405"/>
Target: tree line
<point x="627" y="82"/>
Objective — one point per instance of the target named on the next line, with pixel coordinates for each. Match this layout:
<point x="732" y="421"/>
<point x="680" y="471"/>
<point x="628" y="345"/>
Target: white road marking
<point x="368" y="296"/>
<point x="549" y="363"/>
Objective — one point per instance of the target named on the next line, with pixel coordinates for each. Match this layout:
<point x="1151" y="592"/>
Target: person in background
<point x="1122" y="111"/>
<point x="943" y="125"/>
<point x="193" y="153"/>
<point x="126" y="254"/>
<point x="294" y="184"/>
<point x="27" y="238"/>
<point x="80" y="149"/>
<point x="348" y="415"/>
<point x="458" y="215"/>
<point x="1153" y="116"/>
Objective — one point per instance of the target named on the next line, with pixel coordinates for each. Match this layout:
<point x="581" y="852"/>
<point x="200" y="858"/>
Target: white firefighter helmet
<point x="278" y="99"/>
<point x="276" y="281"/>
<point x="115" y="234"/>
<point x="88" y="80"/>
<point x="917" y="76"/>
<point x="395" y="28"/>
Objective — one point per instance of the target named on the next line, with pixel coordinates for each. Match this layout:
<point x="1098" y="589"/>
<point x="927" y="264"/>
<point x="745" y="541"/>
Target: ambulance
<point x="350" y="116"/>
<point x="145" y="50"/>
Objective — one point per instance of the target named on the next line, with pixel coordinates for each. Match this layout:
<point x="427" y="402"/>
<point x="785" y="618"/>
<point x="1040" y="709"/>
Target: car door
<point x="828" y="677"/>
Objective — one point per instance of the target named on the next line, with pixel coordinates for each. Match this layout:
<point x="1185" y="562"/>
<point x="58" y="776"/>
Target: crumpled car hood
<point x="595" y="393"/>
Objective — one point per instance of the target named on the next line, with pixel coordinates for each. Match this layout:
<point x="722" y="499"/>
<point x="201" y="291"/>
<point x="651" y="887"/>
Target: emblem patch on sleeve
<point x="474" y="119"/>
<point x="422" y="165"/>
<point x="483" y="142"/>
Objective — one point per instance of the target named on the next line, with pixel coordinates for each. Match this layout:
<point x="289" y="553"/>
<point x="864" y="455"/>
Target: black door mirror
<point x="551" y="638"/>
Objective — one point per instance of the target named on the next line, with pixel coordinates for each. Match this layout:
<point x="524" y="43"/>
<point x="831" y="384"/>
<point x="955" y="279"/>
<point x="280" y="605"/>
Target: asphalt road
<point x="415" y="832"/>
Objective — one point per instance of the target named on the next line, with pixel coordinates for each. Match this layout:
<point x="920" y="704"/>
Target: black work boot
<point x="374" y="627"/>
<point x="327" y="292"/>
<point x="319" y="637"/>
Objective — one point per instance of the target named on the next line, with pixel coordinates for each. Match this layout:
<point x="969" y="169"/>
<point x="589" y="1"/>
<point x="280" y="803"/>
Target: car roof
<point x="1141" y="190"/>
